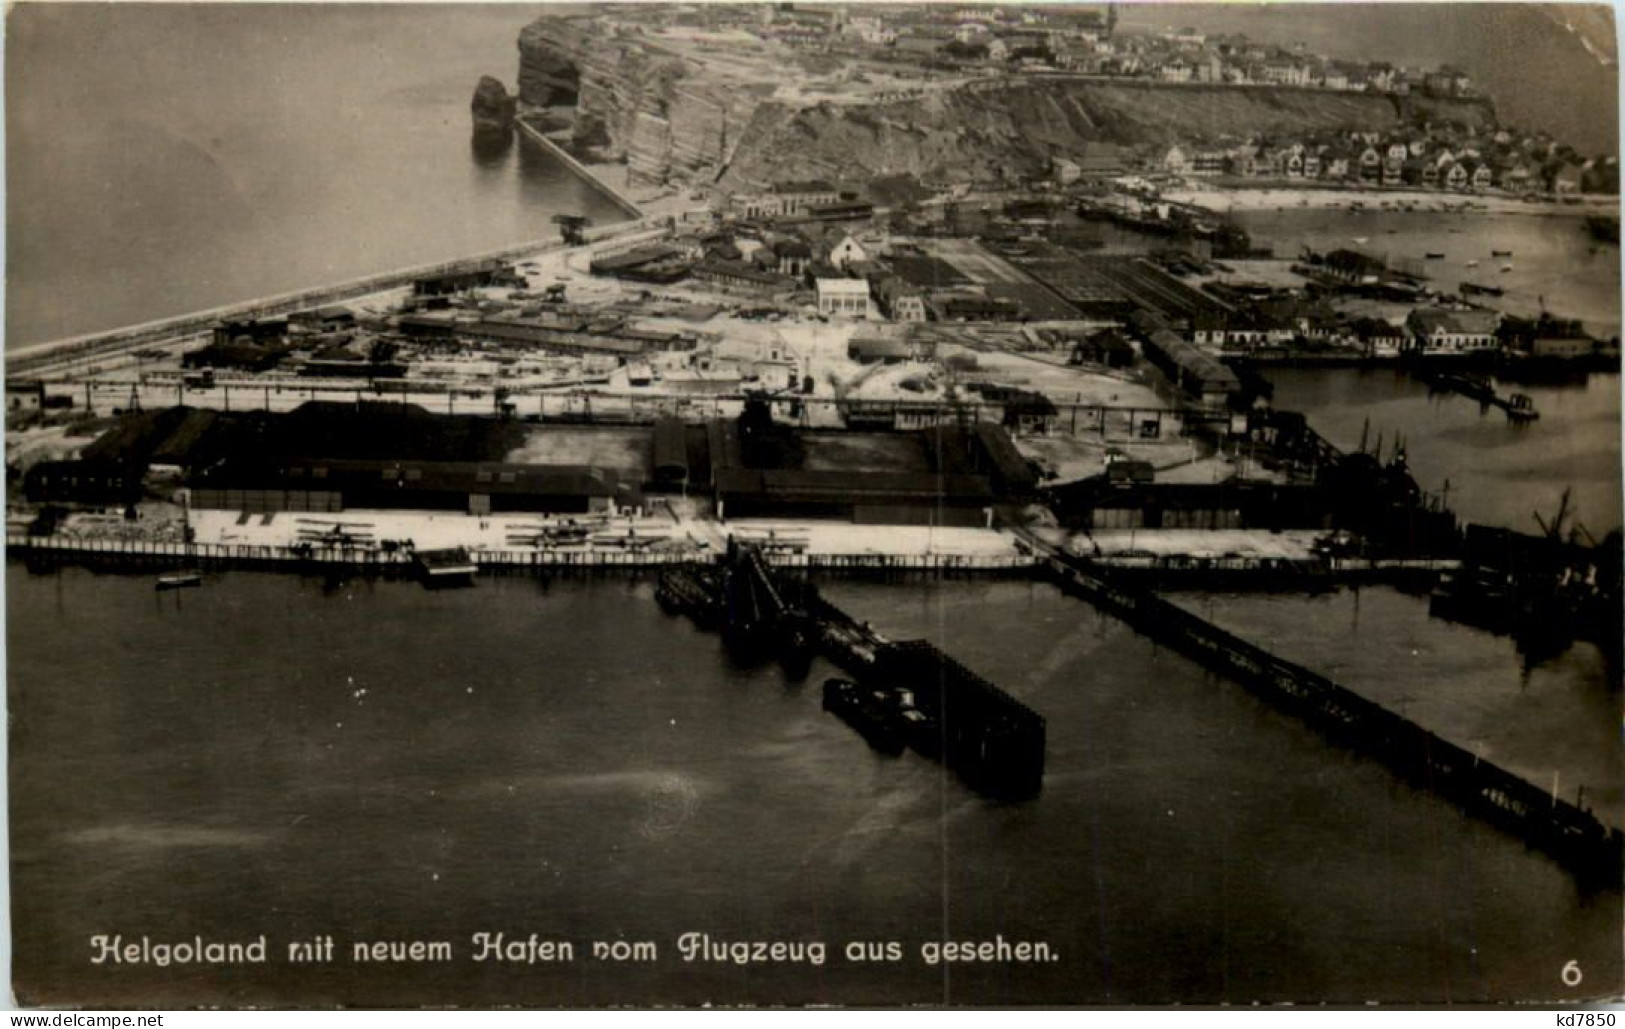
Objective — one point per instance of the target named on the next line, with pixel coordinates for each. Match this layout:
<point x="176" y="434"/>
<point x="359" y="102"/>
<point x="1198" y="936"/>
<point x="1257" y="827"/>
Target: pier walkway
<point x="1573" y="836"/>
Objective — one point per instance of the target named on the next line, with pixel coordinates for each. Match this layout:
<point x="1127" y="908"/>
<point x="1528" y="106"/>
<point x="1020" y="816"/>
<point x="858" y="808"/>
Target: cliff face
<point x="971" y="134"/>
<point x="548" y="50"/>
<point x="673" y="119"/>
<point x="632" y="99"/>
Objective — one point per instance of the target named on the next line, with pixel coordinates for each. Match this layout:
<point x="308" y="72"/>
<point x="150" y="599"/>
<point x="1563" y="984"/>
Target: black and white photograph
<point x="809" y="505"/>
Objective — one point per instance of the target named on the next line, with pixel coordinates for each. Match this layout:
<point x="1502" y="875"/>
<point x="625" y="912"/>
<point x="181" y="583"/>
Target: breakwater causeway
<point x="564" y="157"/>
<point x="1573" y="836"/>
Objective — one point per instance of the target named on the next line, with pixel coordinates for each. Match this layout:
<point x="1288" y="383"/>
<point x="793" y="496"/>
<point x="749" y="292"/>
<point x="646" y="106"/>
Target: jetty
<point x="1575" y="837"/>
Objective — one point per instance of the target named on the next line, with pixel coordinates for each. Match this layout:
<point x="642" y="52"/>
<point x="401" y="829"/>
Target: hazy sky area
<point x="1539" y="73"/>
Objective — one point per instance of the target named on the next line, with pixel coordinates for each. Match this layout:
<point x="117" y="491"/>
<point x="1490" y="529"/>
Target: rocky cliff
<point x="974" y="133"/>
<point x="493" y="109"/>
<point x="634" y="100"/>
<point x="673" y="118"/>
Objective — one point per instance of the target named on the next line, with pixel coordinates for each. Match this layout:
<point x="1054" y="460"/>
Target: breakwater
<point x="1573" y="836"/>
<point x="586" y="174"/>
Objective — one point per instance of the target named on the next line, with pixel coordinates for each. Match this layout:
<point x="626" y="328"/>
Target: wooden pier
<point x="1519" y="407"/>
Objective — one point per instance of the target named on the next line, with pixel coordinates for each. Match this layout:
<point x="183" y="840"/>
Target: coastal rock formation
<point x="548" y="51"/>
<point x="676" y="119"/>
<point x="492" y="107"/>
<point x="974" y="133"/>
<point x="632" y="99"/>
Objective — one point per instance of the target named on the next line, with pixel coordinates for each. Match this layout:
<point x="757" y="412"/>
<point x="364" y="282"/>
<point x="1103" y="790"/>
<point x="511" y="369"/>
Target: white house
<point x="845" y="251"/>
<point x="843" y="298"/>
<point x="1439" y="333"/>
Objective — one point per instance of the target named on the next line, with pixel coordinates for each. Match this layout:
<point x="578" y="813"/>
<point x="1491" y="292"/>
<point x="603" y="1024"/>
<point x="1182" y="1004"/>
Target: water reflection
<point x="490" y="147"/>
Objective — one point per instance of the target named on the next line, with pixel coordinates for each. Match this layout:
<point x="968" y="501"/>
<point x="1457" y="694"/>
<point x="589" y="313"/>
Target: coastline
<point x="37" y="358"/>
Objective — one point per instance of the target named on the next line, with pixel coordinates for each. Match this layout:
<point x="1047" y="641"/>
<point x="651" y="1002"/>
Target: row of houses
<point x="1185" y="56"/>
<point x="1393" y="163"/>
<point x="846" y="274"/>
<point x="1288" y="322"/>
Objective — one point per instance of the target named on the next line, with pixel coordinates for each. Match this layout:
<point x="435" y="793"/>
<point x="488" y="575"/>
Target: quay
<point x="1270" y="574"/>
<point x="138" y="556"/>
<point x="1592" y="851"/>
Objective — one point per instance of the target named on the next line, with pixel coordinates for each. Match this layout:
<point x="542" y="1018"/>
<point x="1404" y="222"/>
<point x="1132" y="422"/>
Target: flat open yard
<point x="975" y="262"/>
<point x="622" y="449"/>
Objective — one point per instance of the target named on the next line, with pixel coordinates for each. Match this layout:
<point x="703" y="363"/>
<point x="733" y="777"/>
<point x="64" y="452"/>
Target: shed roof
<point x="843" y="287"/>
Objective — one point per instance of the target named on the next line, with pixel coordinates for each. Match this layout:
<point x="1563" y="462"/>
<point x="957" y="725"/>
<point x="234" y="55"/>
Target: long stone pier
<point x="1592" y="851"/>
<point x="535" y="135"/>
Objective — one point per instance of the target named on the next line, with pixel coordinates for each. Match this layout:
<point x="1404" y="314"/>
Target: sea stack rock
<point x="493" y="108"/>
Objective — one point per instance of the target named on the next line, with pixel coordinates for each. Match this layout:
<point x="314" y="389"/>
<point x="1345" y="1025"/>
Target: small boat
<point x="1472" y="264"/>
<point x="179" y="580"/>
<point x="1500" y="253"/>
<point x="1470" y="288"/>
<point x="1361" y="239"/>
<point x="1506" y="267"/>
<point x="1434" y="255"/>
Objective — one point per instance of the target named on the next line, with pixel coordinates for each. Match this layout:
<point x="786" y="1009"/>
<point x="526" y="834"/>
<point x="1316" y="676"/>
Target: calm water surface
<point x="170" y="158"/>
<point x="1498" y="473"/>
<point x="378" y="762"/>
<point x="1554" y="265"/>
